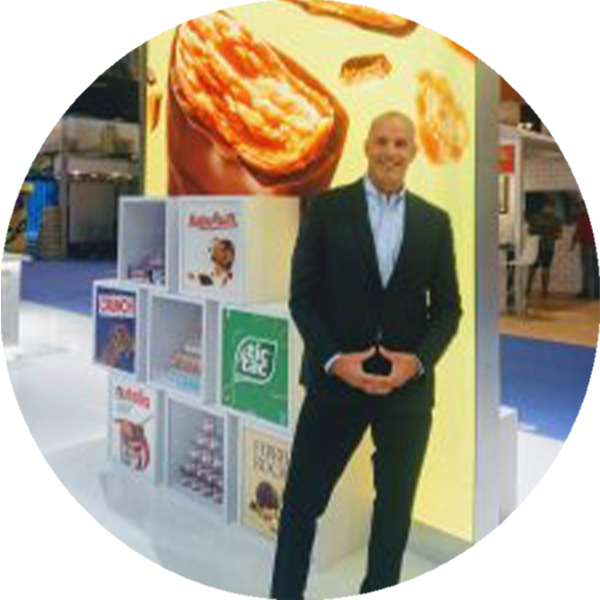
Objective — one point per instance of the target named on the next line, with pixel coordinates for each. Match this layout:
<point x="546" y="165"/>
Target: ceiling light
<point x="105" y="28"/>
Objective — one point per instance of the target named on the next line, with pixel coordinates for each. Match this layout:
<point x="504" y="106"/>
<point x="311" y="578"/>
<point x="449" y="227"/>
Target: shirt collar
<point x="373" y="192"/>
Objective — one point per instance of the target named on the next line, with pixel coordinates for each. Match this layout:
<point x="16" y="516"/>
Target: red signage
<point x="538" y="53"/>
<point x="506" y="159"/>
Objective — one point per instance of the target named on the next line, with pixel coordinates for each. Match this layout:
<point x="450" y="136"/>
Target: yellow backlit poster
<point x="285" y="110"/>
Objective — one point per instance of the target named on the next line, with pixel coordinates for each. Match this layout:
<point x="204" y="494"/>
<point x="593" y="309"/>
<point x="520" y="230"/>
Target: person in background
<point x="374" y="294"/>
<point x="548" y="226"/>
<point x="584" y="237"/>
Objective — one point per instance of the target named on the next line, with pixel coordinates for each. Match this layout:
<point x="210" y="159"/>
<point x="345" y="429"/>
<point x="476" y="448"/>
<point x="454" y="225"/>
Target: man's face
<point x="390" y="149"/>
<point x="221" y="255"/>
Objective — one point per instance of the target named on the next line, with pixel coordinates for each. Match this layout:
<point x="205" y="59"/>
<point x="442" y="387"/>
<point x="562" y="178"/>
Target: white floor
<point x="83" y="531"/>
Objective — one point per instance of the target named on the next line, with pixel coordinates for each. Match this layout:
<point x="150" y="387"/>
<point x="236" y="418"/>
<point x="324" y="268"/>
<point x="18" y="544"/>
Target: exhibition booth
<point x="194" y="353"/>
<point x="204" y="170"/>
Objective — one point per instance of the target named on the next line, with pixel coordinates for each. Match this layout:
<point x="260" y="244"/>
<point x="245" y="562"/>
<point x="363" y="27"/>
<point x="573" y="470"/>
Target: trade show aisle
<point x="84" y="531"/>
<point x="65" y="284"/>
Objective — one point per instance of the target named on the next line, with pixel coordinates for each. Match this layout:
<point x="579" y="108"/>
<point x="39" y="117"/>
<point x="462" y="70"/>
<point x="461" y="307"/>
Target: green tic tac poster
<point x="255" y="365"/>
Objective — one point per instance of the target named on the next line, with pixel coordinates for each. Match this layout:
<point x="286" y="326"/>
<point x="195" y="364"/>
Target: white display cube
<point x="259" y="363"/>
<point x="263" y="462"/>
<point x="148" y="242"/>
<point x="199" y="463"/>
<point x="237" y="248"/>
<point x="183" y="346"/>
<point x="135" y="428"/>
<point x="120" y="310"/>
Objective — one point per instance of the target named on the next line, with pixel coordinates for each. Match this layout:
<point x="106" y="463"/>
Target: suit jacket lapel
<point x="361" y="231"/>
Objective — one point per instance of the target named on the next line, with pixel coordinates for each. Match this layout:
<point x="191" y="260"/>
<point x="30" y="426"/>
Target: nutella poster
<point x="116" y="319"/>
<point x="265" y="464"/>
<point x="212" y="253"/>
<point x="133" y="427"/>
<point x="246" y="101"/>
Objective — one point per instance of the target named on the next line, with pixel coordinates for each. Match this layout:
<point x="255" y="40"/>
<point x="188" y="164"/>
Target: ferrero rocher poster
<point x="264" y="471"/>
<point x="247" y="101"/>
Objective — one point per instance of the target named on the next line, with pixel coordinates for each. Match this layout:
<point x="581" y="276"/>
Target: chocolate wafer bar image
<point x="362" y="16"/>
<point x="365" y="68"/>
<point x="245" y="118"/>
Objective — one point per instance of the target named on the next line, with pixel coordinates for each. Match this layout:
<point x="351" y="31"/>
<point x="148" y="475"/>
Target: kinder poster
<point x="116" y="319"/>
<point x="212" y="253"/>
<point x="255" y="365"/>
<point x="265" y="465"/>
<point x="134" y="427"/>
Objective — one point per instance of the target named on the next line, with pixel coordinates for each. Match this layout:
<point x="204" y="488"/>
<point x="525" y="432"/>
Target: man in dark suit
<point x="374" y="295"/>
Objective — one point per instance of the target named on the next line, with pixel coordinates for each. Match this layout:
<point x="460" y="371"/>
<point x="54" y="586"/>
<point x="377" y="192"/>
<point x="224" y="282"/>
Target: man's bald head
<point x="390" y="148"/>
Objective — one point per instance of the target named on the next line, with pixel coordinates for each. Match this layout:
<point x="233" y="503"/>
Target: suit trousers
<point x="326" y="436"/>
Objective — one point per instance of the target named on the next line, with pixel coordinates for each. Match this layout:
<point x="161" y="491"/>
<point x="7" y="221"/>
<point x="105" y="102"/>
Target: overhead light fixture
<point x="105" y="28"/>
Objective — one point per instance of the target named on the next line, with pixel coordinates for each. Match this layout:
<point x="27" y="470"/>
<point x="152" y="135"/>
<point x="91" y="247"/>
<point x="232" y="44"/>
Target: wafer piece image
<point x="442" y="125"/>
<point x="363" y="16"/>
<point x="245" y="118"/>
<point x="155" y="97"/>
<point x="462" y="42"/>
<point x="365" y="68"/>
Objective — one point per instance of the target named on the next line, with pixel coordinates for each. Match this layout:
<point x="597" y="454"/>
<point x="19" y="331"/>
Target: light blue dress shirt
<point x="386" y="214"/>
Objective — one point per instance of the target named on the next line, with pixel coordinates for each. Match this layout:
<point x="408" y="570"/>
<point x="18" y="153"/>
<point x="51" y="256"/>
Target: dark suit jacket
<point x="339" y="304"/>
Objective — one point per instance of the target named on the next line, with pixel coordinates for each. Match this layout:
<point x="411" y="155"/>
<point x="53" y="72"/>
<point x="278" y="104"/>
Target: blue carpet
<point x="64" y="284"/>
<point x="546" y="382"/>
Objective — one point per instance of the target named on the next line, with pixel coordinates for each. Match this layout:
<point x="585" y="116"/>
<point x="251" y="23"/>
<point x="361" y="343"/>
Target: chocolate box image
<point x="245" y="118"/>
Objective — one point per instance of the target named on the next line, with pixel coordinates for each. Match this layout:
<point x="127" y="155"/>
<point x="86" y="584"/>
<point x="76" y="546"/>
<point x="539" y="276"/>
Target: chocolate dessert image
<point x="244" y="118"/>
<point x="363" y="16"/>
<point x="266" y="505"/>
<point x="441" y="122"/>
<point x="365" y="68"/>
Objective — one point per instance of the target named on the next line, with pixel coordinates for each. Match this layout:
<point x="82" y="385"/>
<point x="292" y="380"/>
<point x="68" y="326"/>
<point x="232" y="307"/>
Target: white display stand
<point x="216" y="230"/>
<point x="174" y="323"/>
<point x="147" y="234"/>
<point x="508" y="424"/>
<point x="199" y="462"/>
<point x="201" y="451"/>
<point x="11" y="298"/>
<point x="120" y="315"/>
<point x="135" y="428"/>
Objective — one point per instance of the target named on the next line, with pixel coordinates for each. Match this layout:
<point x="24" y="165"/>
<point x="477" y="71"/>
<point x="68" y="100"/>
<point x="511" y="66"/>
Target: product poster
<point x="247" y="101"/>
<point x="134" y="427"/>
<point x="116" y="319"/>
<point x="265" y="464"/>
<point x="212" y="254"/>
<point x="16" y="240"/>
<point x="255" y="365"/>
